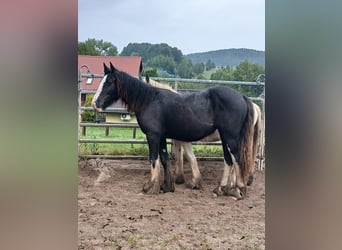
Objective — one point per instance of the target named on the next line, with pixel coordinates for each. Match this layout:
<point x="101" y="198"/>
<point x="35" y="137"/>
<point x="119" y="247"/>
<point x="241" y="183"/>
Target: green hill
<point x="231" y="57"/>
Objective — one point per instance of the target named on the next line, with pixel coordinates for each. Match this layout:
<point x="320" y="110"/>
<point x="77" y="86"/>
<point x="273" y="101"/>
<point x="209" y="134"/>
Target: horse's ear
<point x="112" y="67"/>
<point x="147" y="79"/>
<point x="106" y="69"/>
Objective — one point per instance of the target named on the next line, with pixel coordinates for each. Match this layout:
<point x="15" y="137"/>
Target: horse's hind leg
<point x="180" y="178"/>
<point x="230" y="179"/>
<point x="196" y="180"/>
<point x="168" y="185"/>
<point x="256" y="135"/>
<point x="153" y="185"/>
<point x="228" y="162"/>
<point x="235" y="177"/>
<point x="250" y="179"/>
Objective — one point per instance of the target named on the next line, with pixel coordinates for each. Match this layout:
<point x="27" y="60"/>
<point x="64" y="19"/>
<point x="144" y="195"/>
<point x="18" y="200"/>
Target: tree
<point x="247" y="72"/>
<point x="185" y="69"/>
<point x="148" y="51"/>
<point x="209" y="65"/>
<point x="95" y="47"/>
<point x="164" y="62"/>
<point x="244" y="72"/>
<point x="87" y="48"/>
<point x="198" y="68"/>
<point x="148" y="71"/>
<point x="222" y="74"/>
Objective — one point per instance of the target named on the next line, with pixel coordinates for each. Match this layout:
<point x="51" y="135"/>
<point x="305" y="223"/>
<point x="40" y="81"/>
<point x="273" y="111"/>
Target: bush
<point x="88" y="115"/>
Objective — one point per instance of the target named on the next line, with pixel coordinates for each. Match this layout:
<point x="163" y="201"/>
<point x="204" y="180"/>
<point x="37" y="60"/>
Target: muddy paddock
<point x="114" y="214"/>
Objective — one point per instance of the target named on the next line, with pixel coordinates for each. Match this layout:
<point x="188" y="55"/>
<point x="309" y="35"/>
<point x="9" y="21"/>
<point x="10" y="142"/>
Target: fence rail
<point x="111" y="125"/>
<point x="83" y="125"/>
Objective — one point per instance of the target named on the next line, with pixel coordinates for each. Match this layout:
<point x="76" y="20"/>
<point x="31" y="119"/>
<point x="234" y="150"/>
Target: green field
<point x="130" y="149"/>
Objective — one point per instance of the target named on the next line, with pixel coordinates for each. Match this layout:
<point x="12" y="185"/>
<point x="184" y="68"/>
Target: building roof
<point x="129" y="64"/>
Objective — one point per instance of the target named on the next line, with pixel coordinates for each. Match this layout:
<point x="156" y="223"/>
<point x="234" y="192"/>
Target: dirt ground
<point x="114" y="214"/>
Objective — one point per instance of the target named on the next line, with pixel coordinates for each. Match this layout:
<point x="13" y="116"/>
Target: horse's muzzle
<point x="96" y="108"/>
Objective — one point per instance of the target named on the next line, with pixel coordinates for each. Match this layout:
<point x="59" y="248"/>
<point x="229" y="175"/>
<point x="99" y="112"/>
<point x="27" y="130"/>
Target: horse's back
<point x="226" y="97"/>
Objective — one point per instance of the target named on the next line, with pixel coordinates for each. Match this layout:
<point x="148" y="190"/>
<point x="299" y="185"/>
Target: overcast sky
<point x="190" y="25"/>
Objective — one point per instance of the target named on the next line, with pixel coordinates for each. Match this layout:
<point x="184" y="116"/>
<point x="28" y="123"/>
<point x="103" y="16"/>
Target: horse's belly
<point x="189" y="134"/>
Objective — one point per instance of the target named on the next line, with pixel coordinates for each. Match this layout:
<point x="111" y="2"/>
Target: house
<point x="129" y="64"/>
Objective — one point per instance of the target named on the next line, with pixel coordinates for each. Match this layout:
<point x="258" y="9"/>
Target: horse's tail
<point x="257" y="129"/>
<point x="246" y="147"/>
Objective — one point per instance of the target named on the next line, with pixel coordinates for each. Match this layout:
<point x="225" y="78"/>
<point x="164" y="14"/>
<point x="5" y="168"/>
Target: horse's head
<point x="107" y="92"/>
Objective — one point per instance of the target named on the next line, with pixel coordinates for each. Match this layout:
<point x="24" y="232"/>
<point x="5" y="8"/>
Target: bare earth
<point x="114" y="214"/>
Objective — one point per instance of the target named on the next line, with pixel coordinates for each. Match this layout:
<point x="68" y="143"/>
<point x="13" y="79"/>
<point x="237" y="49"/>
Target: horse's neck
<point x="134" y="93"/>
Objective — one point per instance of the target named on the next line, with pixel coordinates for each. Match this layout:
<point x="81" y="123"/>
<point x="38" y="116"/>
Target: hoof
<point x="235" y="192"/>
<point x="168" y="185"/>
<point x="165" y="188"/>
<point x="250" y="180"/>
<point x="180" y="179"/>
<point x="195" y="184"/>
<point x="218" y="191"/>
<point x="243" y="191"/>
<point x="151" y="188"/>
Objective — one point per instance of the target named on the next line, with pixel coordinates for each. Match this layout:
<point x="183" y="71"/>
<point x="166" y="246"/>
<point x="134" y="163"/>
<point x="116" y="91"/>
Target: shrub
<point x="88" y="115"/>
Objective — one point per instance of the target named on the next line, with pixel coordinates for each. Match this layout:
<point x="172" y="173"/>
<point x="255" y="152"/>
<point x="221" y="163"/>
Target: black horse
<point x="163" y="114"/>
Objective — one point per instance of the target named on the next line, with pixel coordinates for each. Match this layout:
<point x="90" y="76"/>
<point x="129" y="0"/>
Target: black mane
<point x="135" y="93"/>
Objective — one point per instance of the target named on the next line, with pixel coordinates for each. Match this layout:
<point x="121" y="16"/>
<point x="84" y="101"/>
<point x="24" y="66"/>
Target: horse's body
<point x="163" y="114"/>
<point x="196" y="180"/>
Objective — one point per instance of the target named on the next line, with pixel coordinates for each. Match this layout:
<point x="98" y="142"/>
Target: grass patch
<point x="113" y="148"/>
<point x="131" y="148"/>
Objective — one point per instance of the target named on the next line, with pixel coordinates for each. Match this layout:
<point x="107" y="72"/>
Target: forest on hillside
<point x="165" y="61"/>
<point x="231" y="57"/>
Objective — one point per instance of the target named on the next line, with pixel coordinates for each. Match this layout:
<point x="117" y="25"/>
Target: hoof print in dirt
<point x="151" y="188"/>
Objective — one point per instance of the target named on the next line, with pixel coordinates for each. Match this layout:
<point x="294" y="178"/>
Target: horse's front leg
<point x="153" y="185"/>
<point x="196" y="180"/>
<point x="168" y="184"/>
<point x="177" y="146"/>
